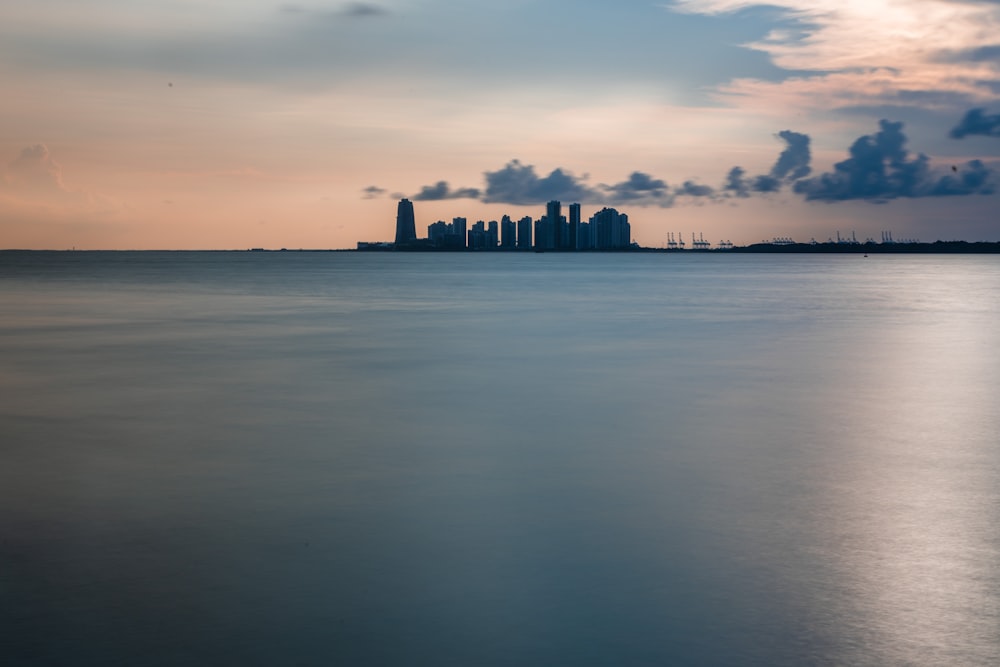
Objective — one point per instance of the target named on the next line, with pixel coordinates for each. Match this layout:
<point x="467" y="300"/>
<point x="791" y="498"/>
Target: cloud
<point x="518" y="183"/>
<point x="350" y="10"/>
<point x="35" y="172"/>
<point x="363" y="10"/>
<point x="640" y="187"/>
<point x="849" y="54"/>
<point x="765" y="183"/>
<point x="879" y="169"/>
<point x="373" y="192"/>
<point x="793" y="163"/>
<point x="736" y="184"/>
<point x="441" y="190"/>
<point x="976" y="122"/>
<point x="692" y="189"/>
<point x="32" y="189"/>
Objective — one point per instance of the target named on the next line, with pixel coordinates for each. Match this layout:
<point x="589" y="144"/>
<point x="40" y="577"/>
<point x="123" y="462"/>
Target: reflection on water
<point x="316" y="458"/>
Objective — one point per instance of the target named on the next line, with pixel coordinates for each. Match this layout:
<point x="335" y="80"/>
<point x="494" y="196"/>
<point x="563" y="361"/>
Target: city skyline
<point x="260" y="124"/>
<point x="607" y="229"/>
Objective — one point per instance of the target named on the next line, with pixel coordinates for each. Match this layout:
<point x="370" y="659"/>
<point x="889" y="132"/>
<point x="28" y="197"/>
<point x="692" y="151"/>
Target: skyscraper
<point x="574" y="227"/>
<point x="553" y="212"/>
<point x="508" y="233"/>
<point x="612" y="229"/>
<point x="524" y="233"/>
<point x="406" y="227"/>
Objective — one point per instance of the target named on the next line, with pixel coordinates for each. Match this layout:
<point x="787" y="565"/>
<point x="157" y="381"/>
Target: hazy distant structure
<point x="543" y="234"/>
<point x="613" y="229"/>
<point x="524" y="233"/>
<point x="508" y="233"/>
<point x="574" y="226"/>
<point x="447" y="235"/>
<point x="406" y="226"/>
<point x="553" y="211"/>
<point x="482" y="237"/>
<point x="459" y="226"/>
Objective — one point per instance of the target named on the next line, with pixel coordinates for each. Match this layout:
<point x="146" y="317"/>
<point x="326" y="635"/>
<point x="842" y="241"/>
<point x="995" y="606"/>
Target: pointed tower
<point x="406" y="226"/>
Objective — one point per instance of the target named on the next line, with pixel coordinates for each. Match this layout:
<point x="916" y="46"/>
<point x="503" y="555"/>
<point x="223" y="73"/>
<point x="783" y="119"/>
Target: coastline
<point x="936" y="247"/>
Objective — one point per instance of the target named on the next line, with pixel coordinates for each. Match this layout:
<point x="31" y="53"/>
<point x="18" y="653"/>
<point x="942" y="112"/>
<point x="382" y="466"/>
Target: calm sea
<point x="499" y="459"/>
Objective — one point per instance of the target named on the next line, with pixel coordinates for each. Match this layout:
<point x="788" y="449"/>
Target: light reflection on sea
<point x="316" y="458"/>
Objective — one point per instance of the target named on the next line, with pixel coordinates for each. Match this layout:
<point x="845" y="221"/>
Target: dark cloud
<point x="879" y="169"/>
<point x="736" y="183"/>
<point x="980" y="54"/>
<point x="692" y="189"/>
<point x="974" y="178"/>
<point x="373" y="191"/>
<point x="638" y="188"/>
<point x="765" y="183"/>
<point x="363" y="10"/>
<point x="518" y="183"/>
<point x="350" y="10"/>
<point x="977" y="122"/>
<point x="793" y="163"/>
<point x="441" y="190"/>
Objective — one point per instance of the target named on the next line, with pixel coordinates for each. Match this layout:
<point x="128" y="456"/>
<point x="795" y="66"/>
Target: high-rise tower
<point x="574" y="226"/>
<point x="554" y="212"/>
<point x="406" y="226"/>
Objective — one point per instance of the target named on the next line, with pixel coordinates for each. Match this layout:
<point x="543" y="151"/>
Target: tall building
<point x="460" y="227"/>
<point x="612" y="229"/>
<point x="574" y="227"/>
<point x="524" y="233"/>
<point x="483" y="237"/>
<point x="553" y="211"/>
<point x="446" y="235"/>
<point x="492" y="235"/>
<point x="406" y="226"/>
<point x="508" y="233"/>
<point x="543" y="233"/>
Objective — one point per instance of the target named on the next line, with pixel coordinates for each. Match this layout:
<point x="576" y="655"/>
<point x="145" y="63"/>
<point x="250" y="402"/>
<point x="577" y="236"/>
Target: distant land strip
<point x="937" y="247"/>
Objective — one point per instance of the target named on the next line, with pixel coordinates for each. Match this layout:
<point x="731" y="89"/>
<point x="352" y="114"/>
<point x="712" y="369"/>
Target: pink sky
<point x="253" y="124"/>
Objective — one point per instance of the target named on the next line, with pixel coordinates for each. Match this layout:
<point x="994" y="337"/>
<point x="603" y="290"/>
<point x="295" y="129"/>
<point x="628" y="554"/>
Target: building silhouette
<point x="606" y="230"/>
<point x="524" y="233"/>
<point x="610" y="229"/>
<point x="447" y="235"/>
<point x="406" y="227"/>
<point x="483" y="237"/>
<point x="508" y="233"/>
<point x="543" y="234"/>
<point x="574" y="227"/>
<point x="553" y="211"/>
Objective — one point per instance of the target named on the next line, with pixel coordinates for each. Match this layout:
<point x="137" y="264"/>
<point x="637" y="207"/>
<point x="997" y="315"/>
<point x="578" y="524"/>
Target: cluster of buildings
<point x="605" y="230"/>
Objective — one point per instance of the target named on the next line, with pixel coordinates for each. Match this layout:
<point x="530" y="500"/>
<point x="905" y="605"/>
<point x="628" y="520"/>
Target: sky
<point x="140" y="124"/>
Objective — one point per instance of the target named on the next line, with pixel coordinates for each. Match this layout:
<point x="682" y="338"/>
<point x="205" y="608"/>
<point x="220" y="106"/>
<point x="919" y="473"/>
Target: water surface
<point x="494" y="459"/>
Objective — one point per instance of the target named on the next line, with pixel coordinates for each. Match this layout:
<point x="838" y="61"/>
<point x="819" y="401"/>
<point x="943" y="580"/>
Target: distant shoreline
<point x="937" y="247"/>
<point x="934" y="248"/>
